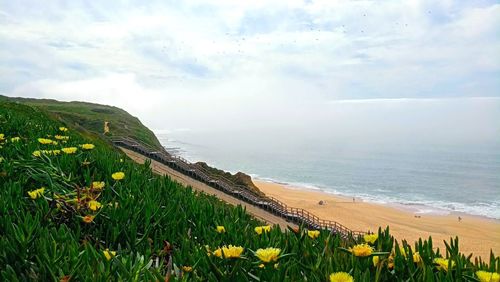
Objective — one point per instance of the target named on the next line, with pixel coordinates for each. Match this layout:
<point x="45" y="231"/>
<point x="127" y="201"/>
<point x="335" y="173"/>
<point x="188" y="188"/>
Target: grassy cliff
<point x="91" y="117"/>
<point x="72" y="209"/>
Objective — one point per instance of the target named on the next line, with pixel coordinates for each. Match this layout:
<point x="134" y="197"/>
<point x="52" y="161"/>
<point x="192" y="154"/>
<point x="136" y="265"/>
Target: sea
<point x="425" y="177"/>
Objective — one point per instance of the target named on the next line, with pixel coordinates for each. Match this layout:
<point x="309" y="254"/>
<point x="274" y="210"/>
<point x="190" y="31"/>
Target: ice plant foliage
<point x="53" y="233"/>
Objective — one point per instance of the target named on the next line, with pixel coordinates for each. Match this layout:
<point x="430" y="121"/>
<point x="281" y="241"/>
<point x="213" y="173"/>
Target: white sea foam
<point x="417" y="206"/>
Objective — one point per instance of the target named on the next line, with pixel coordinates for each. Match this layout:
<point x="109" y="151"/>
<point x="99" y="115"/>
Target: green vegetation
<point x="238" y="178"/>
<point x="88" y="224"/>
<point x="87" y="116"/>
<point x="91" y="117"/>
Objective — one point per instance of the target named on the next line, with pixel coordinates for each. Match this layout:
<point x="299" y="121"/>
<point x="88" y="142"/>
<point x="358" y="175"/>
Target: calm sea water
<point x="427" y="178"/>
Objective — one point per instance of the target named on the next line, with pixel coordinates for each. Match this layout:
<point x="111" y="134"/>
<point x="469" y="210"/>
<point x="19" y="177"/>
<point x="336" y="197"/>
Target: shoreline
<point x="416" y="208"/>
<point x="477" y="234"/>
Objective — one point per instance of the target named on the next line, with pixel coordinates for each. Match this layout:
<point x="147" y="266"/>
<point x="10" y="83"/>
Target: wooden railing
<point x="295" y="215"/>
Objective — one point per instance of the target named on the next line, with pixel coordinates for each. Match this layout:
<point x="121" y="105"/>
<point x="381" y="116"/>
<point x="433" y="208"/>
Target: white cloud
<point x="214" y="60"/>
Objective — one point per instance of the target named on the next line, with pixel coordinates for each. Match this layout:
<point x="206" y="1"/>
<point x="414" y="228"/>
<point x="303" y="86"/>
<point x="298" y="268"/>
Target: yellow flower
<point x="207" y="248"/>
<point x="109" y="254"/>
<point x="370" y="238"/>
<point x="98" y="185"/>
<point x="37" y="153"/>
<point x="402" y="251"/>
<point x="2" y="136"/>
<point x="218" y="253"/>
<point x="61" y="137"/>
<point x="229" y="251"/>
<point x="87" y="146"/>
<point x="416" y="257"/>
<point x="88" y="218"/>
<point x="94" y="205"/>
<point x="442" y="263"/>
<point x="69" y="150"/>
<point x="341" y="277"/>
<point x="313" y="233"/>
<point x="56" y="152"/>
<point x="45" y="141"/>
<point x="361" y="250"/>
<point x="187" y="268"/>
<point x="15" y="139"/>
<point x="118" y="175"/>
<point x="35" y="194"/>
<point x="63" y="129"/>
<point x="268" y="254"/>
<point x="485" y="276"/>
<point x="221" y="229"/>
<point x="376" y="261"/>
<point x="260" y="229"/>
<point x="262" y="265"/>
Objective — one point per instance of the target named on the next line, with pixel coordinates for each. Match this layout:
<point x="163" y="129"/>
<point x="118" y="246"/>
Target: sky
<point x="214" y="65"/>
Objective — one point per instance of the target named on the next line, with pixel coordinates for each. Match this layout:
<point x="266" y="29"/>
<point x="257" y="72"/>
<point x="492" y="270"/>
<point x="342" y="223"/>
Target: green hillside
<point x="73" y="209"/>
<point x="92" y="117"/>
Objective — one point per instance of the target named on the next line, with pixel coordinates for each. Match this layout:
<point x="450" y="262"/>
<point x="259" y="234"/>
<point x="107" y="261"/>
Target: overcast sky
<point x="183" y="64"/>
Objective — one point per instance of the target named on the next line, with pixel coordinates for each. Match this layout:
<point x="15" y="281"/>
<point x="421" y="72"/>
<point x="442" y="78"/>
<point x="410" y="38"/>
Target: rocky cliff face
<point x="238" y="178"/>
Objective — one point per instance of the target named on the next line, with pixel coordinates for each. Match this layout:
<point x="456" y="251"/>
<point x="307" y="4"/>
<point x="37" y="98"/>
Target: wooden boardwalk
<point x="293" y="215"/>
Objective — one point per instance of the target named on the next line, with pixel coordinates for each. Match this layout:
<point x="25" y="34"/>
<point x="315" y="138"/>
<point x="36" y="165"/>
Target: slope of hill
<point x="72" y="209"/>
<point x="92" y="117"/>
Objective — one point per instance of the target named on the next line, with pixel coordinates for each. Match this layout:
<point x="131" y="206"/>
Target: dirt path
<point x="202" y="187"/>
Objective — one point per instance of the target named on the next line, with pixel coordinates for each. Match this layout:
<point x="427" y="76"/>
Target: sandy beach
<point x="476" y="234"/>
